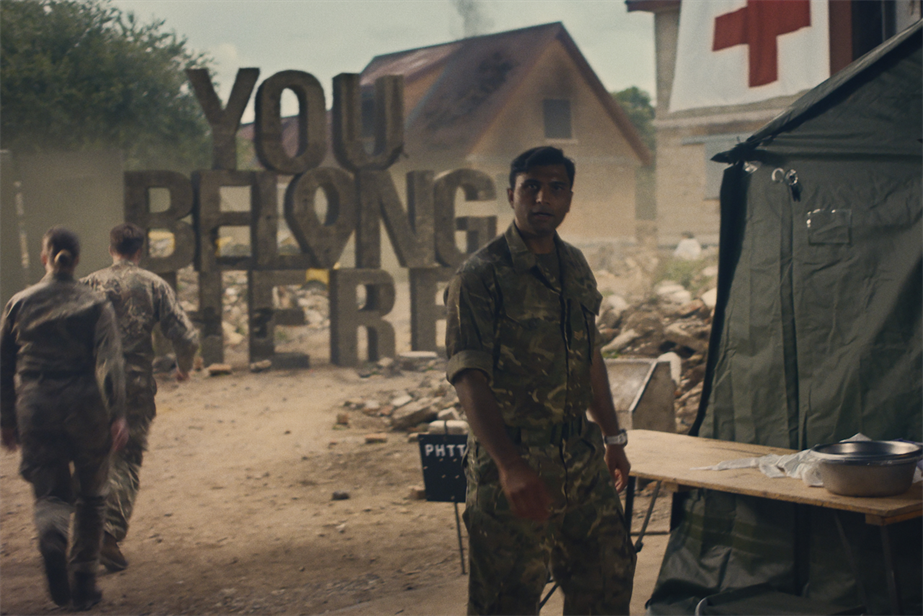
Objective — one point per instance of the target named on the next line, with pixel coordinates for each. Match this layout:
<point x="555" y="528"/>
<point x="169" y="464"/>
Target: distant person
<point x="141" y="300"/>
<point x="62" y="342"/>
<point x="524" y="357"/>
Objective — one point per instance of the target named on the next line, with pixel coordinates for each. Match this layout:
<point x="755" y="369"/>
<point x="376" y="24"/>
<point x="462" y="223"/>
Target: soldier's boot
<point x="110" y="556"/>
<point x="53" y="547"/>
<point x="85" y="593"/>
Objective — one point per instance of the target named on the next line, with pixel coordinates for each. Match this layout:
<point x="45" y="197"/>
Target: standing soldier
<point x="524" y="357"/>
<point x="141" y="299"/>
<point x="61" y="340"/>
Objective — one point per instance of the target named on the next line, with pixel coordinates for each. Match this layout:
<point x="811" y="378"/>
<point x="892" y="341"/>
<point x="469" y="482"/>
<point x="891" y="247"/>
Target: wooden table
<point x="671" y="458"/>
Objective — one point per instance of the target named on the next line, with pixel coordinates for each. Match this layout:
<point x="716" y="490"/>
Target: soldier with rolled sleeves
<point x="63" y="396"/>
<point x="524" y="357"/>
<point x="141" y="300"/>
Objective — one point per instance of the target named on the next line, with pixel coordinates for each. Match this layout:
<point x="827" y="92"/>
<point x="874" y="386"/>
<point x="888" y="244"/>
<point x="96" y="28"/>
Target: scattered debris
<point x="341" y="495"/>
<point x="673" y="292"/>
<point x="418" y="361"/>
<point x="415" y="412"/>
<point x="401" y="400"/>
<point x="417" y="493"/>
<point x="654" y="303"/>
<point x="688" y="249"/>
<point x="378" y="437"/>
<point x="219" y="369"/>
<point x="710" y="298"/>
<point x="448" y="427"/>
<point x="449" y="414"/>
<point x="261" y="366"/>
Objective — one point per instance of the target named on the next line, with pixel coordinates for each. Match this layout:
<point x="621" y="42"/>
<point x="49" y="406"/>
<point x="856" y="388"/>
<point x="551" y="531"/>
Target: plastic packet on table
<point x="799" y="465"/>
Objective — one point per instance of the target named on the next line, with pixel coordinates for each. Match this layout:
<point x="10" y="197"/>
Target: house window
<point x="557" y="118"/>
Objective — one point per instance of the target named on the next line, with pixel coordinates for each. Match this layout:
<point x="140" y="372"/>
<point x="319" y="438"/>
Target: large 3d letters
<point x="224" y="122"/>
<point x="360" y="197"/>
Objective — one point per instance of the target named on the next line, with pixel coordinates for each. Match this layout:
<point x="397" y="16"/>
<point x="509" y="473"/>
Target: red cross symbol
<point x="757" y="25"/>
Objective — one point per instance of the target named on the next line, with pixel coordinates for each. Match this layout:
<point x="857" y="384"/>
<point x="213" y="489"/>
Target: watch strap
<point x="618" y="439"/>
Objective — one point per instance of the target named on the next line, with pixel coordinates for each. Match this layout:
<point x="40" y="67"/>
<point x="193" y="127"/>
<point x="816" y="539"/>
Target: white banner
<point x="732" y="52"/>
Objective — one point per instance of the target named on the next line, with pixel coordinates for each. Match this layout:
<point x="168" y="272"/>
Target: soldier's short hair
<point x="126" y="239"/>
<point x="62" y="247"/>
<point x="538" y="157"/>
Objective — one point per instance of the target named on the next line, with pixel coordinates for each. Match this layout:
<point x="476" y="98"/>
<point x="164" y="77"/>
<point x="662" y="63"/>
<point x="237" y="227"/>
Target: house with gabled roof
<point x="478" y="102"/>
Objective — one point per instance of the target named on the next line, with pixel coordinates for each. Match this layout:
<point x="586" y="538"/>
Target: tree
<point x="80" y="75"/>
<point x="637" y="104"/>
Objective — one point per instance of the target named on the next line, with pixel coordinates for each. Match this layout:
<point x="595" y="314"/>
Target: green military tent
<point x="817" y="333"/>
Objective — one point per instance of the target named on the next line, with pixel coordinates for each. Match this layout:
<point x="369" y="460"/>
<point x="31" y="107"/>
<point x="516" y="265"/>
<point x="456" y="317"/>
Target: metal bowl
<point x="868" y="468"/>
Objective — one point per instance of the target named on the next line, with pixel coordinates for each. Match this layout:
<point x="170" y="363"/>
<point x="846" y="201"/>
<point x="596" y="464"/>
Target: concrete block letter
<point x="324" y="240"/>
<point x="264" y="316"/>
<point x="224" y="122"/>
<point x="477" y="186"/>
<point x="410" y="232"/>
<point x="348" y="145"/>
<point x="478" y="231"/>
<point x="312" y="122"/>
<point x="138" y="185"/>
<point x="209" y="218"/>
<point x="424" y="311"/>
<point x="346" y="317"/>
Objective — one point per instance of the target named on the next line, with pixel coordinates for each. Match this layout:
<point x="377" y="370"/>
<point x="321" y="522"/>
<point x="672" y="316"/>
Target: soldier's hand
<point x="526" y="492"/>
<point x="10" y="439"/>
<point x="119" y="434"/>
<point x="181" y="375"/>
<point x="618" y="464"/>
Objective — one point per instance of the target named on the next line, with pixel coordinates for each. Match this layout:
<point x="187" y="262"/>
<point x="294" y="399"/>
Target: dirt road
<point x="236" y="514"/>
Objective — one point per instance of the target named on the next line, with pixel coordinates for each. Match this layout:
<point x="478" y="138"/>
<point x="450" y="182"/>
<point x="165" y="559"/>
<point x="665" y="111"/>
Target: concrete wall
<point x="79" y="190"/>
<point x="686" y="201"/>
<point x="13" y="278"/>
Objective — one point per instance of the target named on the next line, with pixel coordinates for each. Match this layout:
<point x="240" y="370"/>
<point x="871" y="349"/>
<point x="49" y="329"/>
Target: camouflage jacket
<point x="532" y="335"/>
<point x="60" y="329"/>
<point x="142" y="299"/>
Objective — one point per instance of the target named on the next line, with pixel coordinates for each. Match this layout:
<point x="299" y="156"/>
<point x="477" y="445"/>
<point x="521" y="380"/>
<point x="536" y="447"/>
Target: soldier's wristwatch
<point x="618" y="439"/>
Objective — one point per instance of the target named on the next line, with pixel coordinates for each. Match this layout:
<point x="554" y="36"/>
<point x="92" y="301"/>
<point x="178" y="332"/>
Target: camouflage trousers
<point x="125" y="476"/>
<point x="585" y="544"/>
<point x="63" y="421"/>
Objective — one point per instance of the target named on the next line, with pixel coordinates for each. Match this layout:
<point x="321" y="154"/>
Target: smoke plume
<point x="475" y="22"/>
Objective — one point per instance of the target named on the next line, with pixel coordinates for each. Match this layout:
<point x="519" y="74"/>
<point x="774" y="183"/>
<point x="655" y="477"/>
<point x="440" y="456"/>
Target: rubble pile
<point x="310" y="297"/>
<point x="654" y="303"/>
<point x="431" y="406"/>
<point x="672" y="322"/>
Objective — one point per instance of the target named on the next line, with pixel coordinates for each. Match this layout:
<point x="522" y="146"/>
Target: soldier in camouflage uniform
<point x="61" y="340"/>
<point x="141" y="300"/>
<point x="524" y="357"/>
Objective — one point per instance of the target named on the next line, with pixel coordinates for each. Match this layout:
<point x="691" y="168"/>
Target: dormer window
<point x="557" y="118"/>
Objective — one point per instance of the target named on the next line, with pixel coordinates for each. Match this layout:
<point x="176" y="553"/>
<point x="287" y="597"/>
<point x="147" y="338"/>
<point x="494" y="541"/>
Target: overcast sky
<point x="328" y="37"/>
